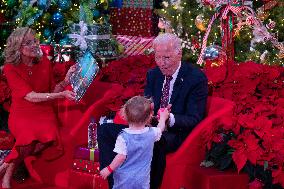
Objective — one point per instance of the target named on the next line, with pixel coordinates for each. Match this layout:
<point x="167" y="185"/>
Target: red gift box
<point x="211" y="178"/>
<point x="86" y="166"/>
<point x="79" y="180"/>
<point x="134" y="22"/>
<point x="86" y="154"/>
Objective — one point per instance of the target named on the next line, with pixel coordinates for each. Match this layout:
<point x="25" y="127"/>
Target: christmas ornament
<point x="271" y="25"/>
<point x="43" y="4"/>
<point x="212" y="52"/>
<point x="165" y="4"/>
<point x="57" y="19"/>
<point x="64" y="4"/>
<point x="281" y="54"/>
<point x="96" y="13"/>
<point x="46" y="33"/>
<point x="4" y="33"/>
<point x="200" y="22"/>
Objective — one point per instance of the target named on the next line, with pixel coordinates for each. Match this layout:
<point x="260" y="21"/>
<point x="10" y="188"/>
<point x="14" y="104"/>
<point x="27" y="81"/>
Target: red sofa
<point x="182" y="167"/>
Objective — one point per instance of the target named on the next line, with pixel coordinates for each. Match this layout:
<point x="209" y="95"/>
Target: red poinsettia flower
<point x="262" y="126"/>
<point x="256" y="184"/>
<point x="246" y="148"/>
<point x="247" y="120"/>
<point x="215" y="74"/>
<point x="273" y="143"/>
<point x="212" y="135"/>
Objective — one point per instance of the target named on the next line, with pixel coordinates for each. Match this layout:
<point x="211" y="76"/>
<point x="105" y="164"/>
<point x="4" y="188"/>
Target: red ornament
<point x="2" y="18"/>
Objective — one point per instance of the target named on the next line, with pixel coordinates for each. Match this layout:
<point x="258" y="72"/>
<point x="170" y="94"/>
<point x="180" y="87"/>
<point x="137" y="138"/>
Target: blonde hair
<point x="12" y="52"/>
<point x="137" y="110"/>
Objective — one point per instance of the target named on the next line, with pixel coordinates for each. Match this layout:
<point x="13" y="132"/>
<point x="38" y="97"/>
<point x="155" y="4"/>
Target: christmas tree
<point x="254" y="27"/>
<point x="50" y="18"/>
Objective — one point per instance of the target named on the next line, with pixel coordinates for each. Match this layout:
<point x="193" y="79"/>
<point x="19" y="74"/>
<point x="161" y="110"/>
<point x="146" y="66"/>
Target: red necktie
<point x="166" y="92"/>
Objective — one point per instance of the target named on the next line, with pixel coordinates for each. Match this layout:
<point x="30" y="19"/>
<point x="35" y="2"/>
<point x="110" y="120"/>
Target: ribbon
<point x="92" y="154"/>
<point x="259" y="30"/>
<point x="81" y="38"/>
<point x="62" y="53"/>
<point x="200" y="59"/>
<point x="235" y="8"/>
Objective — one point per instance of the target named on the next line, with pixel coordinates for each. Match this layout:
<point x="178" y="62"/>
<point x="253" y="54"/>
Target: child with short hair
<point x="134" y="145"/>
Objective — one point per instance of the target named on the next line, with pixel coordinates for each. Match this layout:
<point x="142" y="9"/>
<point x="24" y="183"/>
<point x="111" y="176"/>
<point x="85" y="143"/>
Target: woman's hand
<point x="69" y="73"/>
<point x="70" y="95"/>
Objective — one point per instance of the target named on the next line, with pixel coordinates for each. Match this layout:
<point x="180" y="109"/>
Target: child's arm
<point x="116" y="162"/>
<point x="164" y="115"/>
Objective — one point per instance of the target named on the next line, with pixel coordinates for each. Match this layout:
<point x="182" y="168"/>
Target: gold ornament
<point x="200" y="22"/>
<point x="281" y="54"/>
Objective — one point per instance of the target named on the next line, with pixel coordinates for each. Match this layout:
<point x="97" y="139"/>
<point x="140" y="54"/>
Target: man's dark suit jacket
<point x="188" y="98"/>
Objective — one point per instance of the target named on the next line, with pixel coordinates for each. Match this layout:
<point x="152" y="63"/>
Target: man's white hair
<point x="168" y="39"/>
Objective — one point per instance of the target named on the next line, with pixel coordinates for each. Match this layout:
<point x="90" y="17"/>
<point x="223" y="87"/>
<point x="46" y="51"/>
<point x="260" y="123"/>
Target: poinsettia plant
<point x="253" y="140"/>
<point x="130" y="73"/>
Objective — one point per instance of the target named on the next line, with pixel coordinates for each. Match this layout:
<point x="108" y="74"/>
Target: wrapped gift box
<point x="85" y="153"/>
<point x="134" y="22"/>
<point x="79" y="180"/>
<point x="86" y="166"/>
<point x="98" y="38"/>
<point x="211" y="178"/>
<point x="138" y="3"/>
<point x="134" y="45"/>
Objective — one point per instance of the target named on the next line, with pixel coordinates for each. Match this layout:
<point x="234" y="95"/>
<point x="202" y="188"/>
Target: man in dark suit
<point x="175" y="85"/>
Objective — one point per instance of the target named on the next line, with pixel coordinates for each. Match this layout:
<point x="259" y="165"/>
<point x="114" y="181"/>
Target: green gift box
<point x="96" y="37"/>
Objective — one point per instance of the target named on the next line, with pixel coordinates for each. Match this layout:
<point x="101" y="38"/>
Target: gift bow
<point x="62" y="53"/>
<point x="235" y="9"/>
<point x="81" y="38"/>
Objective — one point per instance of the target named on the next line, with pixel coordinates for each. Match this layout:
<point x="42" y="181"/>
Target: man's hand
<point x="169" y="107"/>
<point x="104" y="173"/>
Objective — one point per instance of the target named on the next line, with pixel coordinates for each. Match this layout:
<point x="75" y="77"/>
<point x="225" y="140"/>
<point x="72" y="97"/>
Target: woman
<point x="32" y="119"/>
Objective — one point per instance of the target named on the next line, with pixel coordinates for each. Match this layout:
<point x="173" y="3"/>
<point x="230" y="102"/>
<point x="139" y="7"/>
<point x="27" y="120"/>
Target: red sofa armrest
<point x="192" y="151"/>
